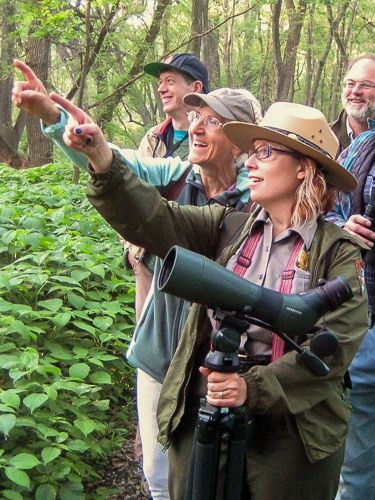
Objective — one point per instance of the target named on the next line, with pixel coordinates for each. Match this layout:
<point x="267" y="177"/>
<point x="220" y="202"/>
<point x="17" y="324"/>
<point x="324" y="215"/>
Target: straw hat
<point x="300" y="128"/>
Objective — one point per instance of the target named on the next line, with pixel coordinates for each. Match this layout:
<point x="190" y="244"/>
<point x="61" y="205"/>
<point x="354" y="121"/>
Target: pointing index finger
<point x="79" y="115"/>
<point x="28" y="73"/>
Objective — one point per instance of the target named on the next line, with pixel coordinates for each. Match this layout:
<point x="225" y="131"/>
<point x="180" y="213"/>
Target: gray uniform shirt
<point x="269" y="261"/>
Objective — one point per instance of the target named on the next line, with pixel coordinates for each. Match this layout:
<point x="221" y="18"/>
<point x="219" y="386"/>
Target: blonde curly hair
<point x="314" y="196"/>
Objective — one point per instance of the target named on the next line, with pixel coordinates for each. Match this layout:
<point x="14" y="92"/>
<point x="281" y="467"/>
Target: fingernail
<point x="88" y="140"/>
<point x="78" y="130"/>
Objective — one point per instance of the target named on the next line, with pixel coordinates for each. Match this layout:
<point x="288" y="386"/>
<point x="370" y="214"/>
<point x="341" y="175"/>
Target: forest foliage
<point x="66" y="316"/>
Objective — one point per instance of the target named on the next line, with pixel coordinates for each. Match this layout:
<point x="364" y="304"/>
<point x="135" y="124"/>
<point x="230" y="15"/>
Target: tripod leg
<point x="234" y="471"/>
<point x="201" y="484"/>
<point x="190" y="478"/>
<point x="236" y="424"/>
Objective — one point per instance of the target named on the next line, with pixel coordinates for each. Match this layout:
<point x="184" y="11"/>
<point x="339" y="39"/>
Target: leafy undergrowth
<point x="66" y="317"/>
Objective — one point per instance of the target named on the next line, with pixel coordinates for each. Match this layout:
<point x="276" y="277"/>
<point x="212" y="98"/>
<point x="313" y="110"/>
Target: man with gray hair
<point x="358" y="100"/>
<point x="355" y="130"/>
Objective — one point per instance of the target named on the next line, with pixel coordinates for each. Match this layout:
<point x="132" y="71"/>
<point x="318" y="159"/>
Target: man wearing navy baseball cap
<point x="184" y="63"/>
<point x="177" y="75"/>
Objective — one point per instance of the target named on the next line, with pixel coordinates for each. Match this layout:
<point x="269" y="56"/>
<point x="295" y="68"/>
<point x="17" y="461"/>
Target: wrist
<point x="51" y="116"/>
<point x="103" y="162"/>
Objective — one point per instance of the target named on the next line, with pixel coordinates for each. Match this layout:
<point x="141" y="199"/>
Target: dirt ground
<point x="122" y="473"/>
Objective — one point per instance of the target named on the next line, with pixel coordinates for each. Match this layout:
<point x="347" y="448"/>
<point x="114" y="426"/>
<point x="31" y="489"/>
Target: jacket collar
<point x="163" y="127"/>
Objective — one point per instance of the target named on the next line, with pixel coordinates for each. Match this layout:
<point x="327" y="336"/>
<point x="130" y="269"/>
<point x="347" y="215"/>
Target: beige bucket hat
<point x="301" y="128"/>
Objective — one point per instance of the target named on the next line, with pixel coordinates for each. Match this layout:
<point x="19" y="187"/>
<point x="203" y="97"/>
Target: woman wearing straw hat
<point x="300" y="418"/>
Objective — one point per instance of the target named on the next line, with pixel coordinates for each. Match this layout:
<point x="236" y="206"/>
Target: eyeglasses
<point x="264" y="152"/>
<point x="351" y="84"/>
<point x="210" y="121"/>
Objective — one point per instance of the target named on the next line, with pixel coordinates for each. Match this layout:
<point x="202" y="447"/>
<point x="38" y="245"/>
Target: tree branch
<point x="176" y="49"/>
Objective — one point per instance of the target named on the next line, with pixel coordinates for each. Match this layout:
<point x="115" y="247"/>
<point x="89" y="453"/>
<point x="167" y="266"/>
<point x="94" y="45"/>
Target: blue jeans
<point x="357" y="480"/>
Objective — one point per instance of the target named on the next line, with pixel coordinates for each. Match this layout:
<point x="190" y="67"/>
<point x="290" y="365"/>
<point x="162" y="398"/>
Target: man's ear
<point x="198" y="86"/>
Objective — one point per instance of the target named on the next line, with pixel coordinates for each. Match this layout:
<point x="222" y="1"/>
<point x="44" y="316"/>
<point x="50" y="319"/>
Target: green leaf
<point x="61" y="319"/>
<point x="71" y="491"/>
<point x="84" y="326"/>
<point x="63" y="436"/>
<point x="80" y="352"/>
<point x="24" y="461"/>
<point x="78" y="445"/>
<point x="59" y="352"/>
<point x="8" y="361"/>
<point x="76" y="300"/>
<point x="33" y="401"/>
<point x="33" y="223"/>
<point x="100" y="378"/>
<point x="85" y="426"/>
<point x="103" y="323"/>
<point x="12" y="495"/>
<point x="8" y="236"/>
<point x="102" y="405"/>
<point x="79" y="370"/>
<point x="52" y="304"/>
<point x="9" y="346"/>
<point x="50" y="453"/>
<point x="65" y="280"/>
<point x="34" y="240"/>
<point x="98" y="270"/>
<point x="45" y="492"/>
<point x="79" y="275"/>
<point x="51" y="393"/>
<point x="18" y="477"/>
<point x="10" y="398"/>
<point x="7" y="422"/>
<point x="6" y="408"/>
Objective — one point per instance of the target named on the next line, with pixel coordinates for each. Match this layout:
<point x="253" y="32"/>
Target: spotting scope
<point x="196" y="278"/>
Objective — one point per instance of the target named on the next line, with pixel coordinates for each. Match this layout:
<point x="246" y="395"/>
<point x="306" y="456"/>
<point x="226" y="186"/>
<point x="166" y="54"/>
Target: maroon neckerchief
<point x="243" y="263"/>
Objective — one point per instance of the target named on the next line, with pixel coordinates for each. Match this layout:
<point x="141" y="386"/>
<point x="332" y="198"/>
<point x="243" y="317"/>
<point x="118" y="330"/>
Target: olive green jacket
<point x="319" y="404"/>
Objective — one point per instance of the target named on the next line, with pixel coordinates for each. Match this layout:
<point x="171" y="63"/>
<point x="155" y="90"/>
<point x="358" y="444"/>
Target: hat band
<point x="299" y="138"/>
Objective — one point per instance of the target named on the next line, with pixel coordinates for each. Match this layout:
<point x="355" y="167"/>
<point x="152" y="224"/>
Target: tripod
<point x="216" y="425"/>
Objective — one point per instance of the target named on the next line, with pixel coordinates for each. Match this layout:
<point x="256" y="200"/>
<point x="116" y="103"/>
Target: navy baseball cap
<point x="184" y="63"/>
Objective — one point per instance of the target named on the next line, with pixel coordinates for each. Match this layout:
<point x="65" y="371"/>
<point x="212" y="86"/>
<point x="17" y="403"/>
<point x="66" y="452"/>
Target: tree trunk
<point x="38" y="58"/>
<point x="309" y="54"/>
<point x="211" y="58"/>
<point x="285" y="66"/>
<point x="334" y="25"/>
<point x="228" y="45"/>
<point x="199" y="23"/>
<point x="11" y="156"/>
<point x="11" y="134"/>
<point x="342" y="37"/>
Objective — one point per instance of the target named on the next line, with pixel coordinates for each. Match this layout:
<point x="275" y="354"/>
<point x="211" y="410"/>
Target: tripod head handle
<point x="226" y="340"/>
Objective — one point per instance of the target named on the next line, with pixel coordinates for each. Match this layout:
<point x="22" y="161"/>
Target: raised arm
<point x="31" y="95"/>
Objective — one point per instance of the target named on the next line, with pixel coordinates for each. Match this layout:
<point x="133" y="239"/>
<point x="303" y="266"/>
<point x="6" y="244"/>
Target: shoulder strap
<point x="174" y="146"/>
<point x="174" y="190"/>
